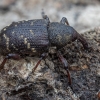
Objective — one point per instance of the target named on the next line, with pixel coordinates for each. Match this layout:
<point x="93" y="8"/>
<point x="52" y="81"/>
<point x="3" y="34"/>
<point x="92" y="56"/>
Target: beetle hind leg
<point x="64" y="20"/>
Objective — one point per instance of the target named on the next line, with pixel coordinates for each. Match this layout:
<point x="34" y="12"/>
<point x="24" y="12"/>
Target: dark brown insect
<point x="35" y="37"/>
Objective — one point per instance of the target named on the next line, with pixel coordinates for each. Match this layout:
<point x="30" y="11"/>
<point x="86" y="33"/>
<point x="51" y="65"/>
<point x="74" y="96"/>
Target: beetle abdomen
<point x="25" y="36"/>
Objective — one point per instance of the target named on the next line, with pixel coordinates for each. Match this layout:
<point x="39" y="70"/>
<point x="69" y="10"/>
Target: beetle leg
<point x="45" y="16"/>
<point x="65" y="63"/>
<point x="2" y="64"/>
<point x="43" y="56"/>
<point x="64" y="20"/>
<point x="9" y="56"/>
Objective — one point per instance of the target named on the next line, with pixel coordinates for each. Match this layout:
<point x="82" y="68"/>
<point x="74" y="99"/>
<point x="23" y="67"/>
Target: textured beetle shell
<point x="25" y="37"/>
<point x="60" y="34"/>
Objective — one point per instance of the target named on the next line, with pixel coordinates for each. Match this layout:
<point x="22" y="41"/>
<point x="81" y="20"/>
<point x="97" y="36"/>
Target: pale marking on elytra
<point x="4" y="35"/>
<point x="16" y="25"/>
<point x="67" y="37"/>
<point x="21" y="36"/>
<point x="31" y="32"/>
<point x="7" y="42"/>
<point x="13" y="32"/>
<point x="32" y="23"/>
<point x="4" y="29"/>
<point x="7" y="39"/>
<point x="28" y="45"/>
<point x="25" y="40"/>
<point x="59" y="38"/>
<point x="14" y="46"/>
<point x="33" y="49"/>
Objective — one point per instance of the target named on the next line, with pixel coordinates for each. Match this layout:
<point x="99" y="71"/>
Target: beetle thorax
<point x="59" y="35"/>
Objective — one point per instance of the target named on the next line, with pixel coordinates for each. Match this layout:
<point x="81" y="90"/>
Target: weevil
<point x="35" y="37"/>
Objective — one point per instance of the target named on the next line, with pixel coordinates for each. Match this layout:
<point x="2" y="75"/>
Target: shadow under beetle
<point x="35" y="37"/>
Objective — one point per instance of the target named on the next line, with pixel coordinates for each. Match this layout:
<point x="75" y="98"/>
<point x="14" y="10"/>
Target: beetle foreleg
<point x="64" y="61"/>
<point x="64" y="20"/>
<point x="9" y="56"/>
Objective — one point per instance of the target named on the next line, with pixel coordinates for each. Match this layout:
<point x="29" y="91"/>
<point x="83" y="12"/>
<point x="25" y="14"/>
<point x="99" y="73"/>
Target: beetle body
<point x="35" y="37"/>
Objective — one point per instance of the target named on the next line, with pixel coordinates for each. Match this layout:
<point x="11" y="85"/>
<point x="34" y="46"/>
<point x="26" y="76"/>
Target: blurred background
<point x="81" y="14"/>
